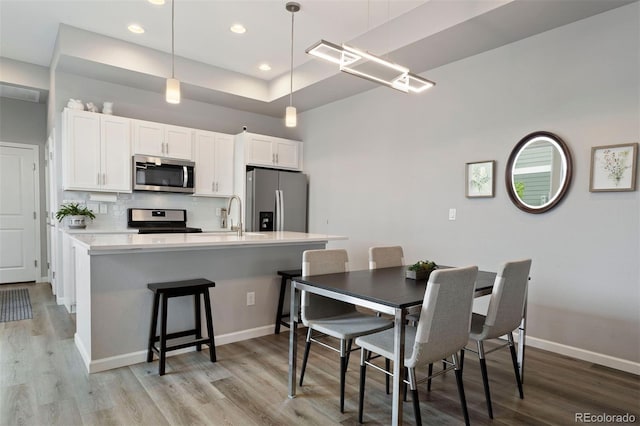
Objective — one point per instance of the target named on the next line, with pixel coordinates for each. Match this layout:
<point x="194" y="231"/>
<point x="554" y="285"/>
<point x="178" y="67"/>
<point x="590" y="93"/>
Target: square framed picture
<point x="480" y="179"/>
<point x="613" y="168"/>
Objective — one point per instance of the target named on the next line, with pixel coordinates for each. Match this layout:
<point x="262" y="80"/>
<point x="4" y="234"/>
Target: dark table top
<point x="387" y="286"/>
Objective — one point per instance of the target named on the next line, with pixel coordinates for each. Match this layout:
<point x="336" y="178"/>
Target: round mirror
<point x="538" y="172"/>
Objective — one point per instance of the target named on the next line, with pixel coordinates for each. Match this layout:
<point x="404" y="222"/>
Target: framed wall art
<point x="613" y="168"/>
<point x="480" y="179"/>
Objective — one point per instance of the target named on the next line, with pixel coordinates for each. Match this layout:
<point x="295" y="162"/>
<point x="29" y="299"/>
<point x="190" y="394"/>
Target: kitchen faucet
<point x="239" y="226"/>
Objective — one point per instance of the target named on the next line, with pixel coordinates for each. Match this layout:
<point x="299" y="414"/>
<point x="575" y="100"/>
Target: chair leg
<point x="363" y="373"/>
<point x="463" y="399"/>
<point x="343" y="373"/>
<point x="348" y="350"/>
<point x="429" y="373"/>
<point x="306" y="356"/>
<point x="485" y="378"/>
<point x="406" y="374"/>
<point x="514" y="359"/>
<point x="411" y="376"/>
<point x="387" y="367"/>
<point x="462" y="359"/>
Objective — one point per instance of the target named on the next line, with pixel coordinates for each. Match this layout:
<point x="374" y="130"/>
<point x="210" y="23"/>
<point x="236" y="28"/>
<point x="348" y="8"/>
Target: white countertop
<point x="108" y="243"/>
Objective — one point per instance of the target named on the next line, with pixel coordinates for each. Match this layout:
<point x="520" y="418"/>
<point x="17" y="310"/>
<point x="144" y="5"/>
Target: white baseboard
<point x="238" y="336"/>
<point x="131" y="358"/>
<point x="584" y="355"/>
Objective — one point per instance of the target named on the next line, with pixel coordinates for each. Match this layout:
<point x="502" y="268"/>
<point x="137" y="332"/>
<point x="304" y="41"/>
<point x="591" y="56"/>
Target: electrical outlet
<point x="103" y="208"/>
<point x="452" y="214"/>
<point x="251" y="298"/>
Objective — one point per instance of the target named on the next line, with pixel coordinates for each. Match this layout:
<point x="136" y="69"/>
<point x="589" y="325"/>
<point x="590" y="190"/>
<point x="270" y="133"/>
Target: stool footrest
<point x="177" y="334"/>
<point x="204" y="340"/>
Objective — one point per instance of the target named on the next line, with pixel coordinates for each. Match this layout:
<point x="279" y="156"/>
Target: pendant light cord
<point x="172" y="39"/>
<point x="291" y="69"/>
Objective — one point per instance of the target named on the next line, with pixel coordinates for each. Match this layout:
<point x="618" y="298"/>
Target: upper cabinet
<point x="96" y="152"/>
<point x="214" y="164"/>
<point x="162" y="140"/>
<point x="269" y="151"/>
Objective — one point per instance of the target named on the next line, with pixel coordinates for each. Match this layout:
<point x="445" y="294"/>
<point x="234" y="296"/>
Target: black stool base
<point x="162" y="292"/>
<point x="286" y="276"/>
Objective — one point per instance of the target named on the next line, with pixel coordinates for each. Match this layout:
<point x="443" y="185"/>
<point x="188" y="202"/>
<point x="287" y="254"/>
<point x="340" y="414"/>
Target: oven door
<point x="163" y="174"/>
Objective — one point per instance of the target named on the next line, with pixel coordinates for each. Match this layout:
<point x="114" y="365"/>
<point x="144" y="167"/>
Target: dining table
<point x="384" y="290"/>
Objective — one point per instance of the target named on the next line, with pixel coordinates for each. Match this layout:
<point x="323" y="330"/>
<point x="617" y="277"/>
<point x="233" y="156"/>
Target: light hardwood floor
<point x="43" y="382"/>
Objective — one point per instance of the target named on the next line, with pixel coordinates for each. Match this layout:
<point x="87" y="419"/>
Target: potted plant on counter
<point x="75" y="215"/>
<point x="421" y="269"/>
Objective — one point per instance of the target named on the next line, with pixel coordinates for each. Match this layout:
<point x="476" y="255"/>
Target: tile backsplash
<point x="201" y="211"/>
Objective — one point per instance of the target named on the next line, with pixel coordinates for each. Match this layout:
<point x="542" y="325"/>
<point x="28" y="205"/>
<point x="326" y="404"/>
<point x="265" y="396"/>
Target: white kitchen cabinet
<point x="269" y="151"/>
<point x="162" y="140"/>
<point x="214" y="164"/>
<point x="96" y="152"/>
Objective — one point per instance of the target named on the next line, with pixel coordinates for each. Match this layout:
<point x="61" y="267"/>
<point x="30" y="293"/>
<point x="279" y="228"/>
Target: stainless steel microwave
<point x="163" y="174"/>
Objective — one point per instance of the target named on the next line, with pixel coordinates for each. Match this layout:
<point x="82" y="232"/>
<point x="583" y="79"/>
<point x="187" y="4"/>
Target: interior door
<point x="17" y="213"/>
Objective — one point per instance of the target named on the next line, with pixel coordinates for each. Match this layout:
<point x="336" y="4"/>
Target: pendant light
<point x="290" y="118"/>
<point x="173" y="85"/>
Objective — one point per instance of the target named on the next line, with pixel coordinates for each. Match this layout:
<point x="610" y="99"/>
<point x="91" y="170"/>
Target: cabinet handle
<point x="213" y="186"/>
<point x="166" y="151"/>
<point x="277" y="159"/>
<point x="104" y="178"/>
<point x="216" y="186"/>
<point x="98" y="179"/>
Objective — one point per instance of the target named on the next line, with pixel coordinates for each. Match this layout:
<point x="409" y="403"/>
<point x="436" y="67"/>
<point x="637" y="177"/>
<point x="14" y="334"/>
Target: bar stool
<point x="165" y="290"/>
<point x="286" y="276"/>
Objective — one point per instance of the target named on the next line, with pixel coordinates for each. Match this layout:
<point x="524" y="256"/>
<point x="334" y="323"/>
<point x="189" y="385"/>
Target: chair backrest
<point x="508" y="297"/>
<point x="385" y="257"/>
<point x="445" y="319"/>
<point x="320" y="262"/>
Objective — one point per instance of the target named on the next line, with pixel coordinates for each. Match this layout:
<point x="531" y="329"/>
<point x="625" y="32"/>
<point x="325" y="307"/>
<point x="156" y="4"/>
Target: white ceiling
<point x="422" y="34"/>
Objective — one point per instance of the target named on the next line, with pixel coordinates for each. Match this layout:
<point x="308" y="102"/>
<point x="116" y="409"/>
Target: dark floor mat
<point x="15" y="305"/>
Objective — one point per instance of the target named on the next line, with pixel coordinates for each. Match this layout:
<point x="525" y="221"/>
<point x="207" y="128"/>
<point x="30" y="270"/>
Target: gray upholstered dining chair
<point x="442" y="331"/>
<point x="331" y="317"/>
<point x="504" y="314"/>
<point x="385" y="257"/>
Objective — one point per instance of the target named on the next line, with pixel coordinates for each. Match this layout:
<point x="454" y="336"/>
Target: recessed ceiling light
<point x="136" y="29"/>
<point x="157" y="2"/>
<point x="238" y="29"/>
<point x="265" y="67"/>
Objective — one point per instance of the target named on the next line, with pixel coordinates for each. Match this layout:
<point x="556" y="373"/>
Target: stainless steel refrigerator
<point x="276" y="201"/>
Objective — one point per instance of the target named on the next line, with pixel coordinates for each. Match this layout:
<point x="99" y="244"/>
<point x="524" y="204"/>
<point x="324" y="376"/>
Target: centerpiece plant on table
<point x="421" y="269"/>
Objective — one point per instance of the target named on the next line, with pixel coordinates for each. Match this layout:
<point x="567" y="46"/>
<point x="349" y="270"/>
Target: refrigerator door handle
<point x="281" y="226"/>
<point x="278" y="210"/>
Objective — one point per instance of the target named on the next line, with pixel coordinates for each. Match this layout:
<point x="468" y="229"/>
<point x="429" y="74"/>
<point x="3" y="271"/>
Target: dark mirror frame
<point x="509" y="178"/>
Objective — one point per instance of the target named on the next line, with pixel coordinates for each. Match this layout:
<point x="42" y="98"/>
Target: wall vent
<point x="19" y="93"/>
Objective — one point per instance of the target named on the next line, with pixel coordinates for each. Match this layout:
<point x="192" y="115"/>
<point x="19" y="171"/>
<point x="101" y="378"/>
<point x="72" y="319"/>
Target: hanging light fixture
<point x="173" y="85"/>
<point x="371" y="67"/>
<point x="290" y="118"/>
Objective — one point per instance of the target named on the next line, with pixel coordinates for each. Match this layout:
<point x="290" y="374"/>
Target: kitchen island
<point x="113" y="303"/>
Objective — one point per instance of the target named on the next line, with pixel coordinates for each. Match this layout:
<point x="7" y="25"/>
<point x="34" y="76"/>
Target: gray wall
<point x="26" y="122"/>
<point x="385" y="168"/>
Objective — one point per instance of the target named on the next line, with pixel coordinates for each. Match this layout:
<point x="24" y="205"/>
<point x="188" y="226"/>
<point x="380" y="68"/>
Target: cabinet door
<point x="178" y="142"/>
<point x="148" y="138"/>
<point x="259" y="151"/>
<point x="116" y="154"/>
<point x="81" y="150"/>
<point x="204" y="157"/>
<point x="287" y="154"/>
<point x="223" y="165"/>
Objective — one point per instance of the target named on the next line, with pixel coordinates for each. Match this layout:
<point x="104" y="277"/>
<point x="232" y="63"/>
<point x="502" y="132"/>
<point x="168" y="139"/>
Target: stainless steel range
<point x="159" y="221"/>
